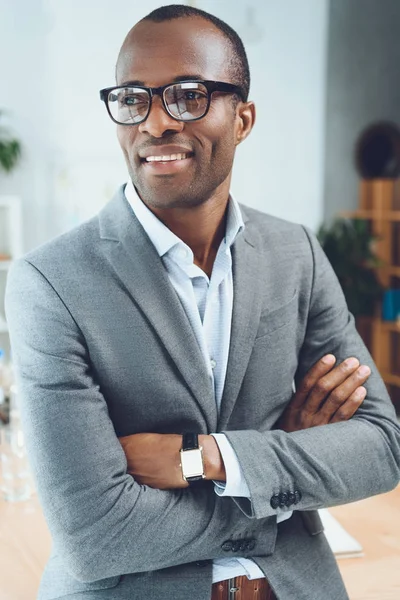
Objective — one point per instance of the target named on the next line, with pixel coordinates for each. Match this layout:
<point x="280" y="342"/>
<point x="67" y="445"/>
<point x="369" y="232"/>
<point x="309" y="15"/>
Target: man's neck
<point x="202" y="228"/>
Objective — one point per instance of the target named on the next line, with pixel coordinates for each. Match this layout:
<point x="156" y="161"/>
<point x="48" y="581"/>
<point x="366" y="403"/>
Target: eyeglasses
<point x="183" y="101"/>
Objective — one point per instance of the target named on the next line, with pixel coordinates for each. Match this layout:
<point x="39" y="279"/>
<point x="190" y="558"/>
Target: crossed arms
<point x="327" y="394"/>
<point x="104" y="522"/>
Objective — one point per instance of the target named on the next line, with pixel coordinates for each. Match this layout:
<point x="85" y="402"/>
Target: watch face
<point x="192" y="462"/>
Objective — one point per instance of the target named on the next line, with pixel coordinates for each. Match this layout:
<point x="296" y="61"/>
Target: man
<point x="177" y="311"/>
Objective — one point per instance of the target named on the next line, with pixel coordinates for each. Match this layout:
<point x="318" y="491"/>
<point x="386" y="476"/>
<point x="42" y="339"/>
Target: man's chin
<point x="165" y="193"/>
<point x="165" y="202"/>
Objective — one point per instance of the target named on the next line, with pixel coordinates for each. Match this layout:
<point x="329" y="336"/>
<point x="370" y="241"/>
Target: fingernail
<point x="364" y="370"/>
<point x="360" y="392"/>
<point x="329" y="359"/>
<point x="351" y="362"/>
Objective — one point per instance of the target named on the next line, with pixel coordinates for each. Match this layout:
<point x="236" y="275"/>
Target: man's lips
<point x="166" y="152"/>
<point x="166" y="159"/>
<point x="168" y="166"/>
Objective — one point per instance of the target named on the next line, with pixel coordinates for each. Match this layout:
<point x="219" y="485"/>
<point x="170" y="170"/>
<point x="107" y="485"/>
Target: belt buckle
<point x="232" y="589"/>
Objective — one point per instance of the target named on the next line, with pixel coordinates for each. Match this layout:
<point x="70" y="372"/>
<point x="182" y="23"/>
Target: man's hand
<point x="326" y="395"/>
<point x="154" y="459"/>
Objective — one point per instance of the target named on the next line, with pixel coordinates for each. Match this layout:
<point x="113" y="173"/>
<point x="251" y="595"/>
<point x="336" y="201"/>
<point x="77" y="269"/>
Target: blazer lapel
<point x="138" y="265"/>
<point x="247" y="305"/>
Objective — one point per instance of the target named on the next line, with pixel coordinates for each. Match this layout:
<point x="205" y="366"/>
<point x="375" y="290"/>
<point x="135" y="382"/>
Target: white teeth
<point x="180" y="156"/>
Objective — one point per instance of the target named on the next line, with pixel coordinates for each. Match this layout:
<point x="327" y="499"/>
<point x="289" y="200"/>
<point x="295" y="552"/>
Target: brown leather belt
<point x="242" y="588"/>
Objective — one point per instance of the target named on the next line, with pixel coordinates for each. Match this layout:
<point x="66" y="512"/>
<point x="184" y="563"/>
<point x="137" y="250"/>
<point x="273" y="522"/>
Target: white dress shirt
<point x="208" y="305"/>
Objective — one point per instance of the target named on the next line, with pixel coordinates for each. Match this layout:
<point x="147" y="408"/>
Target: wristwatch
<point x="192" y="458"/>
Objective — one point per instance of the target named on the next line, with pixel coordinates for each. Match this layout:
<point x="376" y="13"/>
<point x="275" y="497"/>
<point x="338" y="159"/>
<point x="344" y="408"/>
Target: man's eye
<point x="133" y="100"/>
<point x="192" y="95"/>
<point x="129" y="100"/>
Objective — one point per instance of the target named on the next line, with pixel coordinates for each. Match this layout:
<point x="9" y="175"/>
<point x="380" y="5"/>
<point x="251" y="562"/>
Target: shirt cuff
<point x="235" y="482"/>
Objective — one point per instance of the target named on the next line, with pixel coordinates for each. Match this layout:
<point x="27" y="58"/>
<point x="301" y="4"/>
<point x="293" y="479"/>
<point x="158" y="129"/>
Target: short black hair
<point x="239" y="63"/>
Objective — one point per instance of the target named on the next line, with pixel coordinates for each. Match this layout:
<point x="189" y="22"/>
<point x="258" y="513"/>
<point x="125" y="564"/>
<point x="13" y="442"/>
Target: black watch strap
<point x="190" y="441"/>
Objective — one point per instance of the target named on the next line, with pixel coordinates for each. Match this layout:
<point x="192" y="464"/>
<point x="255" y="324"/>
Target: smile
<point x="168" y="158"/>
<point x="168" y="164"/>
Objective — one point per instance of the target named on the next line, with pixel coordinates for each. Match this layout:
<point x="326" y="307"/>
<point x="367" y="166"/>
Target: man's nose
<point x="158" y="121"/>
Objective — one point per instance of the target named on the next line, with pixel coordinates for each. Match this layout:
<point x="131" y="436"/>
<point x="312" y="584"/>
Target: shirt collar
<point x="163" y="238"/>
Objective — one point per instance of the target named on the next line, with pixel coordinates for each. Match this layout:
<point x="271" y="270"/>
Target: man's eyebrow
<point x="192" y="77"/>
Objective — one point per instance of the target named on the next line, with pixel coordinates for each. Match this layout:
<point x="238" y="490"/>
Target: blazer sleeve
<point x="102" y="522"/>
<point x="331" y="464"/>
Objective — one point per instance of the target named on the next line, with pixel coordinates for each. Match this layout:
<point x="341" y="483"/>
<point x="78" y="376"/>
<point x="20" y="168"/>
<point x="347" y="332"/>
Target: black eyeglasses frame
<point x="211" y="86"/>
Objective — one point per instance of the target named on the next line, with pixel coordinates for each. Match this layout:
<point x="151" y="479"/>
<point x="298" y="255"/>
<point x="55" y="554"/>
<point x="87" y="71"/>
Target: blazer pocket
<point x="273" y="319"/>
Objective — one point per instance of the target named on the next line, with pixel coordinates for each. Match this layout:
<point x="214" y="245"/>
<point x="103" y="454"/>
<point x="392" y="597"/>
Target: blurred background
<point x="322" y="73"/>
<point x="326" y="144"/>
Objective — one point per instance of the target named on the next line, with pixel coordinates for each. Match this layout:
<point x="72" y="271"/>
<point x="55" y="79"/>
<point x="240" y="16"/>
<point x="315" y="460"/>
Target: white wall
<point x="61" y="52"/>
<point x="22" y="83"/>
<point x="362" y="88"/>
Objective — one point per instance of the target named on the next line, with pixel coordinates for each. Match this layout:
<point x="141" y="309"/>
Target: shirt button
<point x="183" y="253"/>
<point x="213" y="363"/>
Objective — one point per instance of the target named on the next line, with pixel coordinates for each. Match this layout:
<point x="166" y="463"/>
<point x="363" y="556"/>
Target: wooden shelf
<point x="392" y="270"/>
<point x="393" y="326"/>
<point x="391" y="379"/>
<point x="379" y="204"/>
<point x="373" y="215"/>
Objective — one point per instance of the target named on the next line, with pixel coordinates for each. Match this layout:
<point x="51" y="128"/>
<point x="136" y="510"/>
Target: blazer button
<point x="297" y="495"/>
<point x="251" y="544"/>
<point x="227" y="546"/>
<point x="275" y="501"/>
<point x="291" y="498"/>
<point x="236" y="545"/>
<point x="283" y="500"/>
<point x="243" y="545"/>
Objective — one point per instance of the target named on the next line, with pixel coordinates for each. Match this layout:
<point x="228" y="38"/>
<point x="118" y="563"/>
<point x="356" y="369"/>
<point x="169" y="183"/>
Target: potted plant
<point x="349" y="246"/>
<point x="10" y="150"/>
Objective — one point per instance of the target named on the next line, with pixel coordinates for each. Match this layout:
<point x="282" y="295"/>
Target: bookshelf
<point x="379" y="203"/>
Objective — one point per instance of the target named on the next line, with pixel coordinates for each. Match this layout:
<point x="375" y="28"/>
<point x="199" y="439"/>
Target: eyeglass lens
<point x="185" y="101"/>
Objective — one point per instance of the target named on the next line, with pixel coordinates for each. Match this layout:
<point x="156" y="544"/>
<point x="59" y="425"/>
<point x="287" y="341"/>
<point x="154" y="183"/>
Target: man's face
<point x="155" y="55"/>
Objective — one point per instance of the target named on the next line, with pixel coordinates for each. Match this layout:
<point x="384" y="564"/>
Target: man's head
<point x="170" y="44"/>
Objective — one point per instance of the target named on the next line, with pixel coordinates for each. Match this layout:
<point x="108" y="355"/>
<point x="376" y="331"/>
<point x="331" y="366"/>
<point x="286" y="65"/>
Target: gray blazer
<point x="103" y="348"/>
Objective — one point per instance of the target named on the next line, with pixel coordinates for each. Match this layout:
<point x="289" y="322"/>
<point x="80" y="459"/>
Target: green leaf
<point x="10" y="150"/>
<point x="349" y="246"/>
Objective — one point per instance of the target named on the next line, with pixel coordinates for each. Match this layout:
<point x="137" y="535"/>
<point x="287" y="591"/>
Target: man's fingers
<point x="343" y="392"/>
<point x="321" y="368"/>
<point x="326" y="384"/>
<point x="348" y="408"/>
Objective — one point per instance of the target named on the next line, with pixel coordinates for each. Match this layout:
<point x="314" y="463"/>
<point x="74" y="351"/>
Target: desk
<point x="375" y="523"/>
<point x="24" y="548"/>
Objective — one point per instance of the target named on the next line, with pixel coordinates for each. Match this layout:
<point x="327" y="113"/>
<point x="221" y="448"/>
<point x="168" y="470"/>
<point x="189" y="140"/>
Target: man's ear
<point x="245" y="118"/>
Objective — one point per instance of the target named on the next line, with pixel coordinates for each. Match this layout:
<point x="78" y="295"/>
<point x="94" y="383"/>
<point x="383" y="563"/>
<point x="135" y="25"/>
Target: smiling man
<point x="156" y="347"/>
